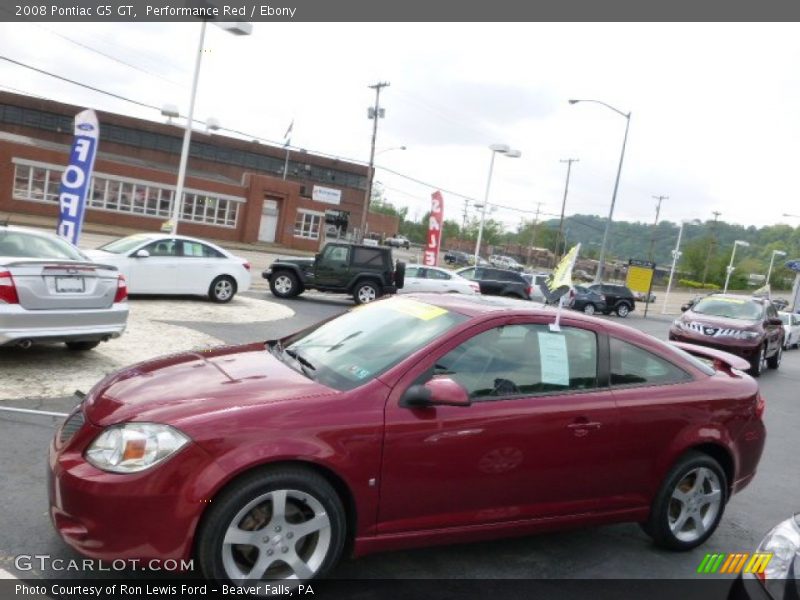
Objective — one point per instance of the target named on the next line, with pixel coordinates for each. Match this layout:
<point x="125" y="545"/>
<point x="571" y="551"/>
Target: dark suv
<point x="498" y="282"/>
<point x="456" y="257"/>
<point x="745" y="326"/>
<point x="619" y="298"/>
<point x="366" y="272"/>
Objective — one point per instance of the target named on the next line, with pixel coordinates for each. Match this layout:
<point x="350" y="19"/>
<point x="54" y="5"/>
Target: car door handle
<point x="582" y="428"/>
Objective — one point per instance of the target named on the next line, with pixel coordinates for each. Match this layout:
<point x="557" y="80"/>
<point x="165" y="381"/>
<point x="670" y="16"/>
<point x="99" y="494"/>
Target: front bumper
<point x="18" y="323"/>
<point x="745" y="348"/>
<point x="147" y="516"/>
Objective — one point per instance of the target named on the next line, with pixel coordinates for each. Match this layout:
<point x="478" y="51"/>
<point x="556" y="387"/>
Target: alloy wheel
<point x="282" y="534"/>
<point x="223" y="290"/>
<point x="366" y="294"/>
<point x="283" y="284"/>
<point x="695" y="504"/>
<point x="588" y="309"/>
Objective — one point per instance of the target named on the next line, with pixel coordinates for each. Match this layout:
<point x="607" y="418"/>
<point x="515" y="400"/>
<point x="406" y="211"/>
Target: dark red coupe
<point x="407" y="422"/>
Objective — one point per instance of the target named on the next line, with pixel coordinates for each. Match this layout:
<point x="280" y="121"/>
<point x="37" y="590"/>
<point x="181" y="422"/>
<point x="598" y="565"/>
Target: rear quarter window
<point x="367" y="257"/>
<point x="632" y="365"/>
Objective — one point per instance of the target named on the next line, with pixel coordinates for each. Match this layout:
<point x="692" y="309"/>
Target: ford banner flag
<point x="75" y="180"/>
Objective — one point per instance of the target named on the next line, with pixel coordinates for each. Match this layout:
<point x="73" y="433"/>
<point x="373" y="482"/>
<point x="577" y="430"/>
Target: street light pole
<point x="496" y="149"/>
<point x="602" y="259"/>
<point x="729" y="269"/>
<point x="560" y="239"/>
<point x="374" y="113"/>
<point x="177" y="201"/>
<point x="676" y="254"/>
<point x="772" y="260"/>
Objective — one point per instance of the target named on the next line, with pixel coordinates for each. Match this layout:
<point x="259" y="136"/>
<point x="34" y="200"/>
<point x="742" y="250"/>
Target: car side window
<point x="434" y="274"/>
<point x="522" y="360"/>
<point x="338" y="254"/>
<point x="771" y="312"/>
<point x="471" y="273"/>
<point x="413" y="272"/>
<point x="631" y="365"/>
<point x="162" y="248"/>
<point x="367" y="257"/>
<point x="196" y="249"/>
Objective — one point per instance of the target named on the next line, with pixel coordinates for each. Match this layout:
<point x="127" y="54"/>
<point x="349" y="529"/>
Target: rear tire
<point x="589" y="309"/>
<point x="284" y="284"/>
<point x="623" y="310"/>
<point x="366" y="291"/>
<point x="694" y="491"/>
<point x="81" y="346"/>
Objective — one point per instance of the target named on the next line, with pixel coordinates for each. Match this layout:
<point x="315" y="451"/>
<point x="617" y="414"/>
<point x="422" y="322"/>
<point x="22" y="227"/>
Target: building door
<point x="269" y="221"/>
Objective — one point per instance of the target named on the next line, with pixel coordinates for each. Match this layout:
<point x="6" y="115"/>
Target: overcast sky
<point x="715" y="107"/>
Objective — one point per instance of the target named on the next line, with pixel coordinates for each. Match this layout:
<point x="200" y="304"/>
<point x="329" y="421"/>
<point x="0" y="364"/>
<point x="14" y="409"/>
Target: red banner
<point x="434" y="230"/>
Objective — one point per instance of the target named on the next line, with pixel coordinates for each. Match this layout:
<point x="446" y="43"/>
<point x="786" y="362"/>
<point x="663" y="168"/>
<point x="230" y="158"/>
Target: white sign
<point x="553" y="354"/>
<point x="326" y="195"/>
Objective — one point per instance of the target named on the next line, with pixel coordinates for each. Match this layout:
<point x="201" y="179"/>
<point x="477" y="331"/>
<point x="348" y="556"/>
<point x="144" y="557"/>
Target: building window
<point x="307" y="224"/>
<point x="40" y="183"/>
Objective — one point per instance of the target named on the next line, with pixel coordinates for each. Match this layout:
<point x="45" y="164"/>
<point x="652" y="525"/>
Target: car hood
<point x="98" y="255"/>
<point x="175" y="388"/>
<point x="722" y="322"/>
<point x="295" y="260"/>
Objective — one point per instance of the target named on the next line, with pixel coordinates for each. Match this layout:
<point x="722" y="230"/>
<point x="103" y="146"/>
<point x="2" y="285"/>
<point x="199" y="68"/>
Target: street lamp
<point x="772" y="259"/>
<point x="601" y="261"/>
<point x="496" y="149"/>
<point x="676" y="255"/>
<point x="177" y="203"/>
<point x="793" y="216"/>
<point x="390" y="149"/>
<point x="729" y="269"/>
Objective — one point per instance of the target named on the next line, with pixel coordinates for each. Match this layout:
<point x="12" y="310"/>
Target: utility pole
<point x="533" y="236"/>
<point x="560" y="237"/>
<point x="655" y="225"/>
<point x="375" y="113"/>
<point x="464" y="220"/>
<point x="711" y="245"/>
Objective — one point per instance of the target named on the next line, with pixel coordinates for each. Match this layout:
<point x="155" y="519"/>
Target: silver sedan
<point x="51" y="292"/>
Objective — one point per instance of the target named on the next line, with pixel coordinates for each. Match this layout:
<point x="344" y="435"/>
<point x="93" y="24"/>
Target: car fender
<point x="278" y="266"/>
<point x="365" y="275"/>
<point x="691" y="437"/>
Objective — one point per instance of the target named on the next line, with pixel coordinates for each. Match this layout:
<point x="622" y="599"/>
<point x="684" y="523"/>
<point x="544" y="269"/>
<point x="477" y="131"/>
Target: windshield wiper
<point x="302" y="360"/>
<point x="341" y="343"/>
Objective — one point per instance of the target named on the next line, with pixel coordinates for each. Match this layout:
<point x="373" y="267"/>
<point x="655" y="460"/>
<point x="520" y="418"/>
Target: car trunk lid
<point x="63" y="284"/>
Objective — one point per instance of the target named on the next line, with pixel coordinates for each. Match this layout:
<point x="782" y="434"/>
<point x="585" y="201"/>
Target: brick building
<point x="234" y="188"/>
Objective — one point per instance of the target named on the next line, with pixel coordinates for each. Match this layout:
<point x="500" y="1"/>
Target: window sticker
<point x="553" y="356"/>
<point x="414" y="308"/>
<point x="358" y="372"/>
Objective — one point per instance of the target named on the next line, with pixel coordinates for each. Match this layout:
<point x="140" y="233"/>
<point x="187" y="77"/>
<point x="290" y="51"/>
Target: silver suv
<point x="51" y="292"/>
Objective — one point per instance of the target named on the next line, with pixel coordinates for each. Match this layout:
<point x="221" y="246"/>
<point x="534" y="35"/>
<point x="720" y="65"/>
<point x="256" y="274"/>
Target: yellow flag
<point x="560" y="282"/>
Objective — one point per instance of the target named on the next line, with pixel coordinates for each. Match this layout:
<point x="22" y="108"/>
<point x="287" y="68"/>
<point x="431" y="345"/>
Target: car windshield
<point x="356" y="347"/>
<point x="125" y="244"/>
<point x="732" y="308"/>
<point x="19" y="244"/>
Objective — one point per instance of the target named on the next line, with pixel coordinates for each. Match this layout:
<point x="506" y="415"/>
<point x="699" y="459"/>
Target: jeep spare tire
<point x="400" y="274"/>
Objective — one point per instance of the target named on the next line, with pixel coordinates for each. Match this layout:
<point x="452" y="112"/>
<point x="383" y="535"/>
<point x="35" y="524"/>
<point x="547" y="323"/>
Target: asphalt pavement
<point x="618" y="551"/>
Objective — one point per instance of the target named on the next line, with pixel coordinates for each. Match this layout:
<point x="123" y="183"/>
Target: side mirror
<point x="684" y="308"/>
<point x="441" y="391"/>
<point x="317" y="256"/>
<point x="141" y="253"/>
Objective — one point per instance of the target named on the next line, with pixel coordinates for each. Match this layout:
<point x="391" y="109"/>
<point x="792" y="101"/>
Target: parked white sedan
<point x="791" y="329"/>
<point x="156" y="263"/>
<point x="421" y="278"/>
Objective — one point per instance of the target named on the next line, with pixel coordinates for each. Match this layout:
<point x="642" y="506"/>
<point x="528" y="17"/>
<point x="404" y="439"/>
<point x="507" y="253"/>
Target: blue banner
<point x="75" y="181"/>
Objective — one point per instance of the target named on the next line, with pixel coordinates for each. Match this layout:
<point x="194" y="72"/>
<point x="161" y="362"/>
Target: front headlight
<point x="747" y="335"/>
<point x="783" y="542"/>
<point x="133" y="447"/>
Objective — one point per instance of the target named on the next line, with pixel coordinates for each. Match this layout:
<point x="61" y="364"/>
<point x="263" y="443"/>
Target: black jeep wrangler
<point x="366" y="272"/>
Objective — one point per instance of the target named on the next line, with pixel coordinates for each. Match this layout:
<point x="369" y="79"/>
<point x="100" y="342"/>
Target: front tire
<point x="757" y="363"/>
<point x="774" y="361"/>
<point x="222" y="289"/>
<point x="284" y="284"/>
<point x="690" y="503"/>
<point x="366" y="292"/>
<point x="274" y="525"/>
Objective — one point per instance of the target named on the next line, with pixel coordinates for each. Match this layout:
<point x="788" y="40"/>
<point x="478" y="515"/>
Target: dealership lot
<point x="44" y="379"/>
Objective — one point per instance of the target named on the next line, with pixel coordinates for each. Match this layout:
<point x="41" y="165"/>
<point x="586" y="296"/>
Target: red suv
<point x="410" y="421"/>
<point x="746" y="326"/>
